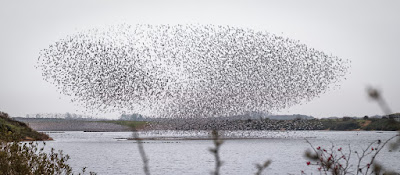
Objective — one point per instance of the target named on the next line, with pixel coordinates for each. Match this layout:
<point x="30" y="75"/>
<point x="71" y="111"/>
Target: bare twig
<point x="360" y="158"/>
<point x="346" y="168"/>
<point x="262" y="167"/>
<point x="217" y="143"/>
<point x="142" y="152"/>
<point x="378" y="150"/>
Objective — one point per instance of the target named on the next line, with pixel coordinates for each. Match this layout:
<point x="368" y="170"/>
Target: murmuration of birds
<point x="187" y="71"/>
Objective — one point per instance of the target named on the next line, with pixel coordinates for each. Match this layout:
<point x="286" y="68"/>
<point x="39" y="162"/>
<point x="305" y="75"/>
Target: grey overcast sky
<point x="365" y="32"/>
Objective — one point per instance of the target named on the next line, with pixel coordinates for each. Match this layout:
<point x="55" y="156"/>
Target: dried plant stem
<point x="376" y="95"/>
<point x="360" y="158"/>
<point x="215" y="151"/>
<point x="142" y="152"/>
<point x="377" y="152"/>
<point x="261" y="168"/>
<point x="384" y="106"/>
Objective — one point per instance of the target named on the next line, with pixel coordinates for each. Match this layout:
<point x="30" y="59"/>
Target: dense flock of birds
<point x="224" y="124"/>
<point x="187" y="71"/>
<point x="174" y="135"/>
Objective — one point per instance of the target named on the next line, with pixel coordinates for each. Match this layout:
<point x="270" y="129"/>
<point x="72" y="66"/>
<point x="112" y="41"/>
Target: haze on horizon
<point x="364" y="32"/>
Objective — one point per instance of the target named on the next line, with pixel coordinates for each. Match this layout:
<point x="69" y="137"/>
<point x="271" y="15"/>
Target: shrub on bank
<point x="28" y="158"/>
<point x="20" y="129"/>
<point x="383" y="124"/>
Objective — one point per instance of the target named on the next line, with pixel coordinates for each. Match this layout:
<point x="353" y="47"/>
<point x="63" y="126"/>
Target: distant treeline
<point x="133" y="117"/>
<point x="67" y="116"/>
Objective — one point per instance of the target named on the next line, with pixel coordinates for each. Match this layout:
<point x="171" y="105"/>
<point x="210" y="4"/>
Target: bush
<point x="334" y="161"/>
<point x="28" y="158"/>
<point x="341" y="125"/>
<point x="383" y="124"/>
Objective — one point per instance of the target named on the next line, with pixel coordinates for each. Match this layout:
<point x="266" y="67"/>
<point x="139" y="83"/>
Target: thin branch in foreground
<point x="377" y="150"/>
<point x="142" y="152"/>
<point x="215" y="151"/>
<point x="261" y="168"/>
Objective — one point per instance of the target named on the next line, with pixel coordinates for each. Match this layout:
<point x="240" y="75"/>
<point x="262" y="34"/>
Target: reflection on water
<point x="109" y="153"/>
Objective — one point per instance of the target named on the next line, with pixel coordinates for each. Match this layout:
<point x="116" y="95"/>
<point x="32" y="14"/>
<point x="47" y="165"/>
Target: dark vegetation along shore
<point x="18" y="157"/>
<point x="367" y="124"/>
<point x="387" y="123"/>
<point x="16" y="130"/>
<point x="339" y="124"/>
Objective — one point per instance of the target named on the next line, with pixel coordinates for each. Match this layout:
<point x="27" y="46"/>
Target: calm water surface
<point x="107" y="153"/>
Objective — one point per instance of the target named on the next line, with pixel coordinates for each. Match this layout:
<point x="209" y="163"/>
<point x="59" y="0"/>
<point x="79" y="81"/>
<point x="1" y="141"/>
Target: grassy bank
<point x="18" y="131"/>
<point x="345" y="124"/>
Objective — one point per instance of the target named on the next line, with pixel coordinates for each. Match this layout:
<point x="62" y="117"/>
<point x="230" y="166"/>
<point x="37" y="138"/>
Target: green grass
<point x="339" y="124"/>
<point x="18" y="130"/>
<point x="361" y="124"/>
<point x="383" y="124"/>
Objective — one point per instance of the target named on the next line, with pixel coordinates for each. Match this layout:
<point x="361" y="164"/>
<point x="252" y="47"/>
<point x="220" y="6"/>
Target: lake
<point x="110" y="153"/>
